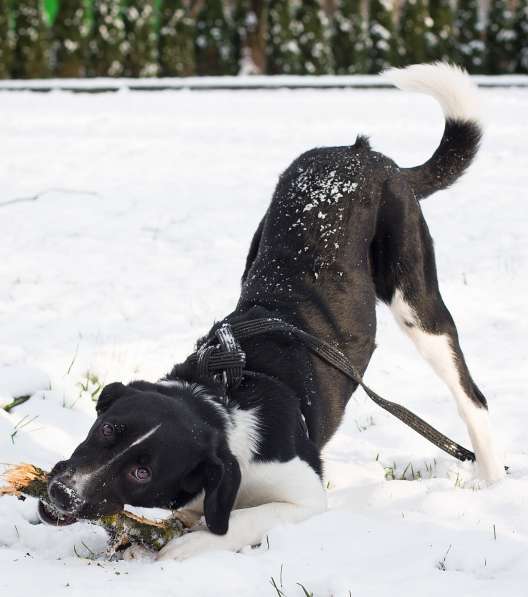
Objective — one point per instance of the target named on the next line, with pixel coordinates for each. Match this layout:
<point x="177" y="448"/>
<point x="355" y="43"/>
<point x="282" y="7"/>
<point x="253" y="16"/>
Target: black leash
<point x="225" y="358"/>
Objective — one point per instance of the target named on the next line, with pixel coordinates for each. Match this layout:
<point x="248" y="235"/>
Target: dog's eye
<point x="107" y="430"/>
<point x="141" y="474"/>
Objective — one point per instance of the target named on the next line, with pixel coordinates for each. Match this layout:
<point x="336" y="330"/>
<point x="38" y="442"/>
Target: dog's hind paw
<point x="492" y="472"/>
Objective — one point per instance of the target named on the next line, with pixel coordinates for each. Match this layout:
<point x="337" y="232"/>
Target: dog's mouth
<point x="50" y="515"/>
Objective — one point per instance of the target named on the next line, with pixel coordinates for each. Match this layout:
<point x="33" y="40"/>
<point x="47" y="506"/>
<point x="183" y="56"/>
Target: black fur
<point x="457" y="149"/>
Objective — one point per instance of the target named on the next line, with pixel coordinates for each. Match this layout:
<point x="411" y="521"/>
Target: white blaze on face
<point x="80" y="480"/>
<point x="134" y="443"/>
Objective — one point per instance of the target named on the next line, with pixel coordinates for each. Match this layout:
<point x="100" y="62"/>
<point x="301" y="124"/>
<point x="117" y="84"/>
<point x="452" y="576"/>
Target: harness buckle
<point x="223" y="361"/>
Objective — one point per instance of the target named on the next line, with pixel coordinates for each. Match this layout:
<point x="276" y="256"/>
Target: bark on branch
<point x="124" y="529"/>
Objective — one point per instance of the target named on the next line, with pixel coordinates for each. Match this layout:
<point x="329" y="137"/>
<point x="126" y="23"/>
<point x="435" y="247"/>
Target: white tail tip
<point x="450" y="85"/>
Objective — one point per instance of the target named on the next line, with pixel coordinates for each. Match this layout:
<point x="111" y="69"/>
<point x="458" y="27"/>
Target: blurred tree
<point x="312" y="30"/>
<point x="107" y="38"/>
<point x="500" y="39"/>
<point x="176" y="40"/>
<point x="349" y="38"/>
<point x="251" y="18"/>
<point x="441" y="44"/>
<point x="31" y="52"/>
<point x="521" y="36"/>
<point x="51" y="8"/>
<point x="6" y="40"/>
<point x="69" y="32"/>
<point x="139" y="46"/>
<point x="470" y="48"/>
<point x="256" y="36"/>
<point x="415" y="25"/>
<point x="383" y="48"/>
<point x="215" y="34"/>
<point x="283" y="52"/>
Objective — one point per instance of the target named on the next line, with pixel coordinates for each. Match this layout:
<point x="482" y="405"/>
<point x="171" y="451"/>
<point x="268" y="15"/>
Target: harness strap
<point x="228" y="360"/>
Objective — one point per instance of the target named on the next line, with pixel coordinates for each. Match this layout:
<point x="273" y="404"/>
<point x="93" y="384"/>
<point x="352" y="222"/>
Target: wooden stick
<point x="124" y="528"/>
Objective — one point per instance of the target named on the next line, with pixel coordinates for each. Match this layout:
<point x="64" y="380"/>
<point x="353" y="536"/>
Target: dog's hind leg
<point x="428" y="323"/>
<point x="407" y="281"/>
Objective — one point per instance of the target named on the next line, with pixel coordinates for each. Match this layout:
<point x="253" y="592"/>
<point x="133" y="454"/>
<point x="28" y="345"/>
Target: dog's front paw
<point x="138" y="552"/>
<point x="191" y="544"/>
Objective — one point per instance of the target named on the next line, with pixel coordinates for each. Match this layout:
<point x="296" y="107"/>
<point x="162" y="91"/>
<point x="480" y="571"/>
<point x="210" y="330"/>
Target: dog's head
<point x="152" y="447"/>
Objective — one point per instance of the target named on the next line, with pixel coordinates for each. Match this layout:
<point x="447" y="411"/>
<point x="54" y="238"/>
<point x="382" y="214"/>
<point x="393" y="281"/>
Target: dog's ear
<point x="221" y="483"/>
<point x="110" y="393"/>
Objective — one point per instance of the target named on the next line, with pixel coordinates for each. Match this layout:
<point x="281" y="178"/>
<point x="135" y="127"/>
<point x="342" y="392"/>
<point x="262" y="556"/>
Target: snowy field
<point x="135" y="245"/>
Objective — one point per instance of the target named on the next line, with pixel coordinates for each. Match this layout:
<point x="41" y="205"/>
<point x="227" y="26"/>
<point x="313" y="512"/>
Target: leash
<point x="225" y="359"/>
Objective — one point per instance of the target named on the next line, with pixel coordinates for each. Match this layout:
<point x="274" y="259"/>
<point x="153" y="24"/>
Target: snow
<point x="135" y="245"/>
<point x="19" y="380"/>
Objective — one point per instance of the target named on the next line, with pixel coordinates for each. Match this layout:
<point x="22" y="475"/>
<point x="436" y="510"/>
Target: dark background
<point x="114" y="38"/>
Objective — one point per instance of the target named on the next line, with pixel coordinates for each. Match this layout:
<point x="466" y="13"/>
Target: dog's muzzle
<point x="61" y="491"/>
<point x="64" y="498"/>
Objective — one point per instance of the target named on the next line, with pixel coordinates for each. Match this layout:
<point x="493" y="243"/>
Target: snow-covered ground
<point x="220" y="82"/>
<point x="135" y="245"/>
<point x="100" y="84"/>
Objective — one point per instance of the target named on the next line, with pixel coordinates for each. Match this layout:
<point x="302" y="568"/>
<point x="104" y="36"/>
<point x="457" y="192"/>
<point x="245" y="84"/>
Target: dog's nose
<point x="63" y="495"/>
<point x="60" y="495"/>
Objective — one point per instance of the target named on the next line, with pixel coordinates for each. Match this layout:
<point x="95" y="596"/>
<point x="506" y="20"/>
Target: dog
<point x="343" y="230"/>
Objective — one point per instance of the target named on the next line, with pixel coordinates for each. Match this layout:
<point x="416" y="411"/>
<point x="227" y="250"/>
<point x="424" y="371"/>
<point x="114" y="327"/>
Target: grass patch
<point x="409" y="472"/>
<point x="90" y="385"/>
<point x="279" y="589"/>
<point x="442" y="565"/>
<point x="24" y="422"/>
<point x="305" y="590"/>
<point x="15" y="402"/>
<point x="89" y="554"/>
<point x="364" y="425"/>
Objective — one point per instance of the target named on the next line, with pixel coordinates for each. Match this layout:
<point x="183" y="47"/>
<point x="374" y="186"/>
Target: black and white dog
<point x="344" y="229"/>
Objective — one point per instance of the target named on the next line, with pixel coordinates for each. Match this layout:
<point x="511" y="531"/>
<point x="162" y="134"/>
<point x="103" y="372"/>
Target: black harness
<point x="221" y="358"/>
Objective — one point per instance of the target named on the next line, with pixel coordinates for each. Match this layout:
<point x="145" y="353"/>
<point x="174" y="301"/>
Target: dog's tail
<point x="452" y="87"/>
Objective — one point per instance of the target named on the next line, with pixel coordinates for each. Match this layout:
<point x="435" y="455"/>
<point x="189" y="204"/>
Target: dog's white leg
<point x="444" y="355"/>
<point x="271" y="493"/>
<point x="246" y="527"/>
